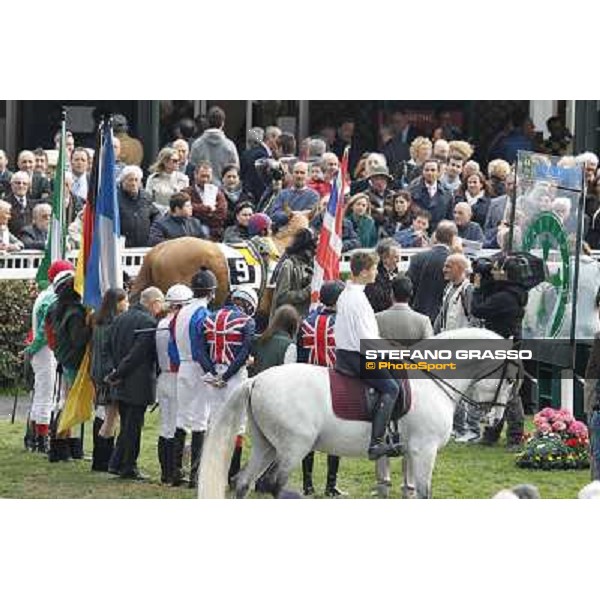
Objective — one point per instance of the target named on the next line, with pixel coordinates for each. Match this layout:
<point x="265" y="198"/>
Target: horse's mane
<point x="467" y="333"/>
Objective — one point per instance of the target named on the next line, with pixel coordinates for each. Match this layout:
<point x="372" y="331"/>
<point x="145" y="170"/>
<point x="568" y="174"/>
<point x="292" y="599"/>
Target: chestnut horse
<point x="176" y="261"/>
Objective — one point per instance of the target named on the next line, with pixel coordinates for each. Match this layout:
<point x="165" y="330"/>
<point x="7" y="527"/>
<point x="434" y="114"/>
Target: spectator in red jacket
<point x="209" y="205"/>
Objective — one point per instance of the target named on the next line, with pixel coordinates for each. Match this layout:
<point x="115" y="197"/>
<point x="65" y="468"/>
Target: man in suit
<point x="426" y="271"/>
<point x="40" y="186"/>
<point x="260" y="149"/>
<point x="20" y="202"/>
<point x="80" y="163"/>
<point x="397" y="149"/>
<point x="496" y="214"/>
<point x="379" y="293"/>
<point x="134" y="376"/>
<point x="346" y="136"/>
<point x="34" y="236"/>
<point x="429" y="194"/>
<point x="399" y="322"/>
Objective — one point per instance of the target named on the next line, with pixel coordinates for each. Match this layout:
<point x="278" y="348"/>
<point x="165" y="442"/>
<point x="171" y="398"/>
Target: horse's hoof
<point x="383" y="490"/>
<point x="288" y="495"/>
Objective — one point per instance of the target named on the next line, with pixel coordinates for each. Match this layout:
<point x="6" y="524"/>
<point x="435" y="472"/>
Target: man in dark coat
<point x="20" y="201"/>
<point x="428" y="193"/>
<point x="136" y="211"/>
<point x="40" y="186"/>
<point x="379" y="293"/>
<point x="500" y="302"/>
<point x="426" y="272"/>
<point x="259" y="150"/>
<point x="134" y="376"/>
<point x="34" y="236"/>
<point x="178" y="223"/>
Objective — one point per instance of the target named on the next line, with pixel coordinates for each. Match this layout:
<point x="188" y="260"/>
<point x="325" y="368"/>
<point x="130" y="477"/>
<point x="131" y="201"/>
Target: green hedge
<point x="16" y="302"/>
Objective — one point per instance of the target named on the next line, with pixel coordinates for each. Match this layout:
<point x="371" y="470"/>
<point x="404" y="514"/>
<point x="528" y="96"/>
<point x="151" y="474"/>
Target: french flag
<point x="103" y="269"/>
<point x="329" y="246"/>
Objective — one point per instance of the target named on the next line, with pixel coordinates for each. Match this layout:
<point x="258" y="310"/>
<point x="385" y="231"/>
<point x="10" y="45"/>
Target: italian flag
<point x="55" y="246"/>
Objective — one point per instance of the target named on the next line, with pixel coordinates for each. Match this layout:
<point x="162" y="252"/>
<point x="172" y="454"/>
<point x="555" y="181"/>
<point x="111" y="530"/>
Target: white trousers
<point x="218" y="396"/>
<point x="44" y="368"/>
<point x="193" y="404"/>
<point x="166" y="396"/>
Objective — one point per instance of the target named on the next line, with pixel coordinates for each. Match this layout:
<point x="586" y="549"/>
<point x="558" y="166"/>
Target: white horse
<point x="290" y="413"/>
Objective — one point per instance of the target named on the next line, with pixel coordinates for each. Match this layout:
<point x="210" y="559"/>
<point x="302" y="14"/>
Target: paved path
<point x="7" y="403"/>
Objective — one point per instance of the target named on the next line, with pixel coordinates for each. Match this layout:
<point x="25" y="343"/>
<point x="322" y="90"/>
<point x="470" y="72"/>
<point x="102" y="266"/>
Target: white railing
<point x="24" y="265"/>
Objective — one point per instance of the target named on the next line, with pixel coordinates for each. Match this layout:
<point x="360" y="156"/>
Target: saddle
<point x="352" y="400"/>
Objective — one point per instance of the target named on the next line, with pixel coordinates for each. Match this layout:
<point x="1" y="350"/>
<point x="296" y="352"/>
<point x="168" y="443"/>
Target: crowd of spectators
<point x="401" y="190"/>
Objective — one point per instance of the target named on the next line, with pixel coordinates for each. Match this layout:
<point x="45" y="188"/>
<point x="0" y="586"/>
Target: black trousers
<point x="130" y="435"/>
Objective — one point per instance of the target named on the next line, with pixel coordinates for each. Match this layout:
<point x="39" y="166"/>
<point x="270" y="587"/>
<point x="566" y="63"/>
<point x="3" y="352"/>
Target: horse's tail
<point x="219" y="443"/>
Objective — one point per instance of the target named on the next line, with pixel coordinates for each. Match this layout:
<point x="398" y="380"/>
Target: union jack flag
<point x="329" y="245"/>
<point x="317" y="337"/>
<point x="224" y="336"/>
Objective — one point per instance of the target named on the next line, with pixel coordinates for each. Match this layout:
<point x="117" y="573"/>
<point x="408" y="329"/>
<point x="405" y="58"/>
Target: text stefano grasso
<point x="412" y="355"/>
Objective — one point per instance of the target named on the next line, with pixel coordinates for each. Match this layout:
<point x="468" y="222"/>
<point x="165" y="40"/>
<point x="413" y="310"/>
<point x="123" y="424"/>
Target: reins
<point x="443" y="385"/>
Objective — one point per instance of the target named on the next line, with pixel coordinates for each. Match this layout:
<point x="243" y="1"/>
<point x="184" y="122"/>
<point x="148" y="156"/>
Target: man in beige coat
<point x="399" y="322"/>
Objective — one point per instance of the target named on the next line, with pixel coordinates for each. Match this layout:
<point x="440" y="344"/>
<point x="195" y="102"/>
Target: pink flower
<point x="558" y="426"/>
<point x="546" y="413"/>
<point x="564" y="415"/>
<point x="578" y="429"/>
<point x="545" y="428"/>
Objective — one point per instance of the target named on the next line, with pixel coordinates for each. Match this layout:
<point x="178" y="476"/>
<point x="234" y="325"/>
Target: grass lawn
<point x="461" y="471"/>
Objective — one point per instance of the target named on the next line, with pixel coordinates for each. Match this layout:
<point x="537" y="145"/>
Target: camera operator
<point x="499" y="300"/>
<point x="271" y="171"/>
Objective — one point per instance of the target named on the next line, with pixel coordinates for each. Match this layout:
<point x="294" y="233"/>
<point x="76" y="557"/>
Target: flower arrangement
<point x="559" y="442"/>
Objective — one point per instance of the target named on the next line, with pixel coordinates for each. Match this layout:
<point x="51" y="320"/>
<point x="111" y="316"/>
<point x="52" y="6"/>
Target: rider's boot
<point x="331" y="489"/>
<point x="177" y="458"/>
<point x="197" y="443"/>
<point x="307" y="473"/>
<point x="381" y="417"/>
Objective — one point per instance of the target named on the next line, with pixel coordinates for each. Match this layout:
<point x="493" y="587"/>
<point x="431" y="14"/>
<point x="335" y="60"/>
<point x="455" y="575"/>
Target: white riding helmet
<point x="179" y="294"/>
<point x="248" y="296"/>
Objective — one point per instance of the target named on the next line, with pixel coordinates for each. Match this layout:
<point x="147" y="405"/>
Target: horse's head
<point x="493" y="391"/>
<point x="283" y="238"/>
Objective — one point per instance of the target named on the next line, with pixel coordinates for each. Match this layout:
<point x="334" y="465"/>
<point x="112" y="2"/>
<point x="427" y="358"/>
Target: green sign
<point x="547" y="231"/>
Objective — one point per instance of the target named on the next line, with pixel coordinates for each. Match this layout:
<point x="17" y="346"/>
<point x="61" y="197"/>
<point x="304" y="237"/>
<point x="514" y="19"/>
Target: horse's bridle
<point x="444" y="385"/>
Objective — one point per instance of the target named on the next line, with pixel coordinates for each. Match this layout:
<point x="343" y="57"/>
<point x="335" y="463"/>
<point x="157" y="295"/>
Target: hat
<point x="179" y="294"/>
<point x="380" y="171"/>
<point x="62" y="280"/>
<point x="330" y="292"/>
<point x="59" y="266"/>
<point x="258" y="223"/>
<point x="204" y="280"/>
<point x="248" y="296"/>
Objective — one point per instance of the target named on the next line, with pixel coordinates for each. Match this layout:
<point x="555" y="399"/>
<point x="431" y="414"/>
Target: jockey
<point x="225" y="348"/>
<point x="166" y="386"/>
<point x="184" y="354"/>
<point x="42" y="360"/>
<point x="355" y="322"/>
<point x="316" y="346"/>
<point x="259" y="231"/>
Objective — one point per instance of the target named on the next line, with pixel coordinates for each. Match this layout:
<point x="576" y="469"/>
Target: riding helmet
<point x="204" y="280"/>
<point x="248" y="297"/>
<point x="330" y="292"/>
<point x="179" y="294"/>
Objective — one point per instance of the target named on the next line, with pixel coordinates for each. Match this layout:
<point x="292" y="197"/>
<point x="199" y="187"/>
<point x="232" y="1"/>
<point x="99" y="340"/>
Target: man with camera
<point x="499" y="300"/>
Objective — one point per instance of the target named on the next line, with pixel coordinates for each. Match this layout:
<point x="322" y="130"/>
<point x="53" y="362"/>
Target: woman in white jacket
<point x="166" y="179"/>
